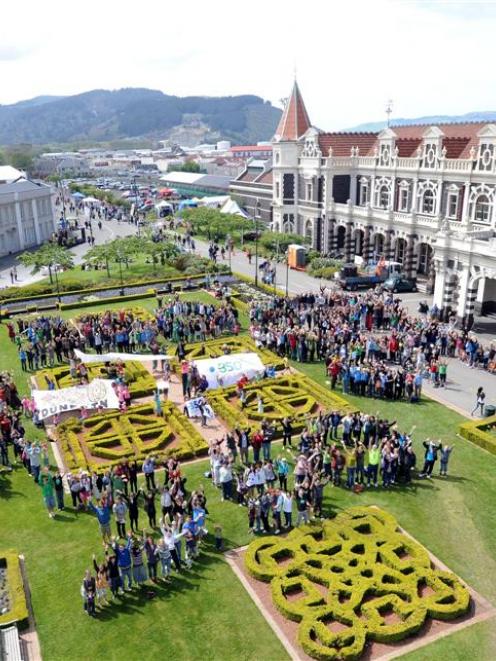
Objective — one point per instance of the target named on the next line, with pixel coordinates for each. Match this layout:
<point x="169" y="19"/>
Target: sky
<point x="350" y="56"/>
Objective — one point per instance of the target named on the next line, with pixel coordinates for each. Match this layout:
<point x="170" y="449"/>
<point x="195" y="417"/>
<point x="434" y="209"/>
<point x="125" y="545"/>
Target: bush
<point x="324" y="267"/>
<point x="133" y="434"/>
<point x="478" y="432"/>
<point x="368" y="567"/>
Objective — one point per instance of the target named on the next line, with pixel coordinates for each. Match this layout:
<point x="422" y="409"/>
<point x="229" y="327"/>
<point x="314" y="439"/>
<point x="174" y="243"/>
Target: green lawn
<point x="203" y="614"/>
<point x="138" y="269"/>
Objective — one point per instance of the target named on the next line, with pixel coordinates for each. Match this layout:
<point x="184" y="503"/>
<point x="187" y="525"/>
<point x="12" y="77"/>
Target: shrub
<point x="134" y="434"/>
<point x="357" y="561"/>
<point x="479" y="432"/>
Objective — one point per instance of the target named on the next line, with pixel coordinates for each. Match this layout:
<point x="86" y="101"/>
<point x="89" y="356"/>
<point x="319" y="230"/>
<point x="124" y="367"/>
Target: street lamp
<point x="119" y="259"/>
<point x="257" y="212"/>
<point x="287" y="273"/>
<point x="55" y="268"/>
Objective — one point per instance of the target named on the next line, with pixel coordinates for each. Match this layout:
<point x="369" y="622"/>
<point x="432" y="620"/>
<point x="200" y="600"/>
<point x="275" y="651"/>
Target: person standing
<point x="479" y="403"/>
<point x="149" y="471"/>
<point x="59" y="490"/>
<point x="119" y="509"/>
<point x="102" y="511"/>
<point x="446" y="451"/>
<point x="48" y="490"/>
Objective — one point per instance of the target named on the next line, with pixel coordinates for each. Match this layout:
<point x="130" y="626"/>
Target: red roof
<point x="265" y="178"/>
<point x="240" y="148"/>
<point x="458" y="137"/>
<point x="294" y="121"/>
<point x="248" y="175"/>
<point x="342" y="143"/>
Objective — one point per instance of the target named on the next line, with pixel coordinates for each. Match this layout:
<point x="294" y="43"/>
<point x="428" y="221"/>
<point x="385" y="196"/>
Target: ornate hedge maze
<point x="139" y="380"/>
<point x="239" y="344"/>
<point x="104" y="440"/>
<point x="295" y="396"/>
<point x="353" y="579"/>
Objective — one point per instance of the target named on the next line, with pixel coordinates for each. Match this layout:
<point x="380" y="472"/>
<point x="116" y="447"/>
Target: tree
<point x="51" y="256"/>
<point x="48" y="256"/>
<point x="98" y="255"/>
<point x="188" y="166"/>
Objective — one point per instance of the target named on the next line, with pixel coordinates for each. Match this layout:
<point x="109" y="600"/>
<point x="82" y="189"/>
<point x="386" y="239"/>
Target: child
<point x="446" y="450"/>
<point x="165" y="558"/>
<point x="101" y="583"/>
<point x="218" y="537"/>
<point x="88" y="589"/>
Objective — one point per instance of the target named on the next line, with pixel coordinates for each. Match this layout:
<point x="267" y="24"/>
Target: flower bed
<point x="297" y="397"/>
<point x="12" y="596"/>
<point x="104" y="440"/>
<point x="481" y="432"/>
<point x="139" y="380"/>
<point x="353" y="579"/>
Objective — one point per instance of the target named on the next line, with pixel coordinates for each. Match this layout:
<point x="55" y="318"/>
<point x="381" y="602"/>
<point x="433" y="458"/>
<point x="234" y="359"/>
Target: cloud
<point x="12" y="52"/>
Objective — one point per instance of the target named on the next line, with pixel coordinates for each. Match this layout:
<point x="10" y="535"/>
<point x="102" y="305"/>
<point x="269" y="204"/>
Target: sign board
<point x="114" y="355"/>
<point x="97" y="394"/>
<point x="227" y="370"/>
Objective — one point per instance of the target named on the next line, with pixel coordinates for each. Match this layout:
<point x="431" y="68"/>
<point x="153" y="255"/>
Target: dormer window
<point x="486" y="157"/>
<point x="430" y="155"/>
<point x="385" y="155"/>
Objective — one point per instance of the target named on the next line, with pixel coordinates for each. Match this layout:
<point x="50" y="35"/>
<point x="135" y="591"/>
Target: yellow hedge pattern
<point x="354" y="578"/>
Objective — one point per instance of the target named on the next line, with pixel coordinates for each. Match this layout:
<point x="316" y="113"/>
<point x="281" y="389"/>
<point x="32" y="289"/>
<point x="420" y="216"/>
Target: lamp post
<point x="287" y="273"/>
<point x="136" y="215"/>
<point x="257" y="211"/>
<point x="119" y="259"/>
<point x="54" y="266"/>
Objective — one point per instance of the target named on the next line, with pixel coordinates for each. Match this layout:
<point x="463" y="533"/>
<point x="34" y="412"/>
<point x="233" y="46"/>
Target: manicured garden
<point x="205" y="612"/>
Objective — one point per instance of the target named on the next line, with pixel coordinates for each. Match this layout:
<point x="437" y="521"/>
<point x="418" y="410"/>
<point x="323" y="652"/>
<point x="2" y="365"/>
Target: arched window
<point x="482" y="209"/>
<point x="428" y="202"/>
<point x="384" y="197"/>
<point x="308" y="230"/>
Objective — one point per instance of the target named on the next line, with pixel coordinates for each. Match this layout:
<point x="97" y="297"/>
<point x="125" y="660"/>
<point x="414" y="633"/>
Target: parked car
<point x="397" y="283"/>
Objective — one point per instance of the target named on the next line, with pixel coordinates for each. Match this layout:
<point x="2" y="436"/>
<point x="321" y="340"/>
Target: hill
<point x="102" y="115"/>
<point x="477" y="116"/>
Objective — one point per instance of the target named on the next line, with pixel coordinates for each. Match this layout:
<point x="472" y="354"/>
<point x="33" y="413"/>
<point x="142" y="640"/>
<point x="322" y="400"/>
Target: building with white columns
<point x="27" y="216"/>
<point x="422" y="195"/>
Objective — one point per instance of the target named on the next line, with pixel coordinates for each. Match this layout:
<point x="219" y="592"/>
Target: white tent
<point x="232" y="207"/>
<point x="90" y="200"/>
<point x="214" y="202"/>
<point x="227" y="370"/>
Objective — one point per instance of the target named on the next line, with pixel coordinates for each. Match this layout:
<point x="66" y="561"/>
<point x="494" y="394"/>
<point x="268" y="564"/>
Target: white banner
<point x="227" y="370"/>
<point x="193" y="408"/>
<point x="98" y="393"/>
<point x="114" y="355"/>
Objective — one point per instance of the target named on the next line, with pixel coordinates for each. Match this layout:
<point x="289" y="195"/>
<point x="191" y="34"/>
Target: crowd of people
<point x="369" y="342"/>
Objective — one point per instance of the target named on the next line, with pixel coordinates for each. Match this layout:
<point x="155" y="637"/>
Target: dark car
<point x="398" y="283"/>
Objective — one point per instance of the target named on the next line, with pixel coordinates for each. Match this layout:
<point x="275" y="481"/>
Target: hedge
<point x="48" y="288"/>
<point x="133" y="434"/>
<point x="18" y="611"/>
<point x="365" y="568"/>
<point x="296" y="396"/>
<point x="139" y="380"/>
<point x="112" y="299"/>
<point x="476" y="431"/>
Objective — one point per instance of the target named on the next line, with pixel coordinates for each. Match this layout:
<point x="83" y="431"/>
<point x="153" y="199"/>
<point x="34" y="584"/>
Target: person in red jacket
<point x="256" y="441"/>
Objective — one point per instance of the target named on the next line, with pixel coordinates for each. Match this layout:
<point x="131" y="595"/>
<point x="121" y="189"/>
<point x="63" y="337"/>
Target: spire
<point x="294" y="121"/>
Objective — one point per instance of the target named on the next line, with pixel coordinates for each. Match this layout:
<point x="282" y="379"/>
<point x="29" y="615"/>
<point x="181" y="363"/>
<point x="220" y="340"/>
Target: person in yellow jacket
<point x="374" y="458"/>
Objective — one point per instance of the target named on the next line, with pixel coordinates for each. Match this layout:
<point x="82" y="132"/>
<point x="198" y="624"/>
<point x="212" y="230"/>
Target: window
<point x="482" y="209"/>
<point x="288" y="187"/>
<point x="309" y="192"/>
<point x="430" y="153"/>
<point x="486" y="154"/>
<point x="384" y="197"/>
<point x="277" y="156"/>
<point x="278" y="190"/>
<point x="452" y="205"/>
<point x="428" y="202"/>
<point x="385" y="155"/>
<point x="364" y="194"/>
<point x="404" y="199"/>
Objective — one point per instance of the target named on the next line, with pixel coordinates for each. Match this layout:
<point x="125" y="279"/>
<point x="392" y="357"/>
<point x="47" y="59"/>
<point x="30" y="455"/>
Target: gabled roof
<point x="294" y="121"/>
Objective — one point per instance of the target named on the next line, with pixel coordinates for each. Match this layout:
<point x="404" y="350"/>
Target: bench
<point x="10" y="645"/>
